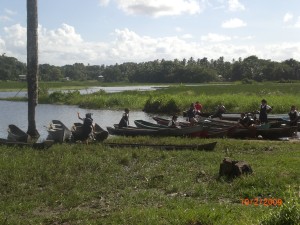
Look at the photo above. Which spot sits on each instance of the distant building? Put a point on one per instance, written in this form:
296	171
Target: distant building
22	77
66	78
100	78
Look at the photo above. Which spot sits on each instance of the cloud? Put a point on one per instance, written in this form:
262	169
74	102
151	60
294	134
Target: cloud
288	17
64	46
283	51
158	8
10	12
297	24
104	2
5	18
187	36
234	23
235	5
178	29
215	38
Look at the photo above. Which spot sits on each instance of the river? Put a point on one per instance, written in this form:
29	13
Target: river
89	90
16	113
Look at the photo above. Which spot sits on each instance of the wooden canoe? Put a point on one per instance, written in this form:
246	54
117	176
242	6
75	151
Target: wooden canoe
16	134
131	131
163	121
58	132
206	147
99	133
266	133
157	131
213	128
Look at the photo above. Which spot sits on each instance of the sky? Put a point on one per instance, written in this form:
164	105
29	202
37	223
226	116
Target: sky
106	32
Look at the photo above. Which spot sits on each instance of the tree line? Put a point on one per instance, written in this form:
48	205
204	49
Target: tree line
162	71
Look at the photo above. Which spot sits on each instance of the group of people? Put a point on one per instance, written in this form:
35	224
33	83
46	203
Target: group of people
88	127
195	111
247	120
192	115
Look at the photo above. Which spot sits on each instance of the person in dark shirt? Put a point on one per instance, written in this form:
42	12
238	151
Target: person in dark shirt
124	122
174	123
191	114
219	112
294	116
263	112
87	127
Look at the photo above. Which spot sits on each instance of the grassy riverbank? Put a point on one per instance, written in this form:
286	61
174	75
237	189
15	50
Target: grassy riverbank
176	98
236	97
94	184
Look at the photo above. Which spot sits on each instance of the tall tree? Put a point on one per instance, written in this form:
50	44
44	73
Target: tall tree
32	65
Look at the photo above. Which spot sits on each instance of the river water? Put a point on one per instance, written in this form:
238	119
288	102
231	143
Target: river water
89	90
16	113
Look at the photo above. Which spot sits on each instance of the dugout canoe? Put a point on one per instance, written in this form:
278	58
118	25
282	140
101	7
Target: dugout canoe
131	131
99	133
16	134
213	128
264	132
58	132
157	131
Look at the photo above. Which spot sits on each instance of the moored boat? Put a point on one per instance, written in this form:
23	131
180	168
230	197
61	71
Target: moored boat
16	134
156	131
265	132
99	133
58	132
131	131
213	128
195	130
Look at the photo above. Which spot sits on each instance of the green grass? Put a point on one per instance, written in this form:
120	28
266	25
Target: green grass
236	97
94	184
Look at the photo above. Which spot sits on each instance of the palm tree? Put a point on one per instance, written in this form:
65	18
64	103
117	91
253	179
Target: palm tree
32	65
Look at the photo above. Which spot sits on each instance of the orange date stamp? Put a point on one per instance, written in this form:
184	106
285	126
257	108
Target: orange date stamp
262	201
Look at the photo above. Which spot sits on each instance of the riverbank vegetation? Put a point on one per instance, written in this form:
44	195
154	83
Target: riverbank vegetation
237	97
95	184
184	70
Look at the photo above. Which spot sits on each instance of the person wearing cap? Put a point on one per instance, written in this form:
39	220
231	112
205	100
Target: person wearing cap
263	112
173	122
87	127
124	122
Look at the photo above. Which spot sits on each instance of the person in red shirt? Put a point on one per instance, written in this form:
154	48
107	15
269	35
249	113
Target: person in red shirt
198	107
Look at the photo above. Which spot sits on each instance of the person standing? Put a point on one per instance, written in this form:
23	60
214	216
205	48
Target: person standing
191	114
87	127
124	122
264	110
294	116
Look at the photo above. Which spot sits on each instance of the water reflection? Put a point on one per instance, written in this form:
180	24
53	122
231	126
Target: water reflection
16	113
